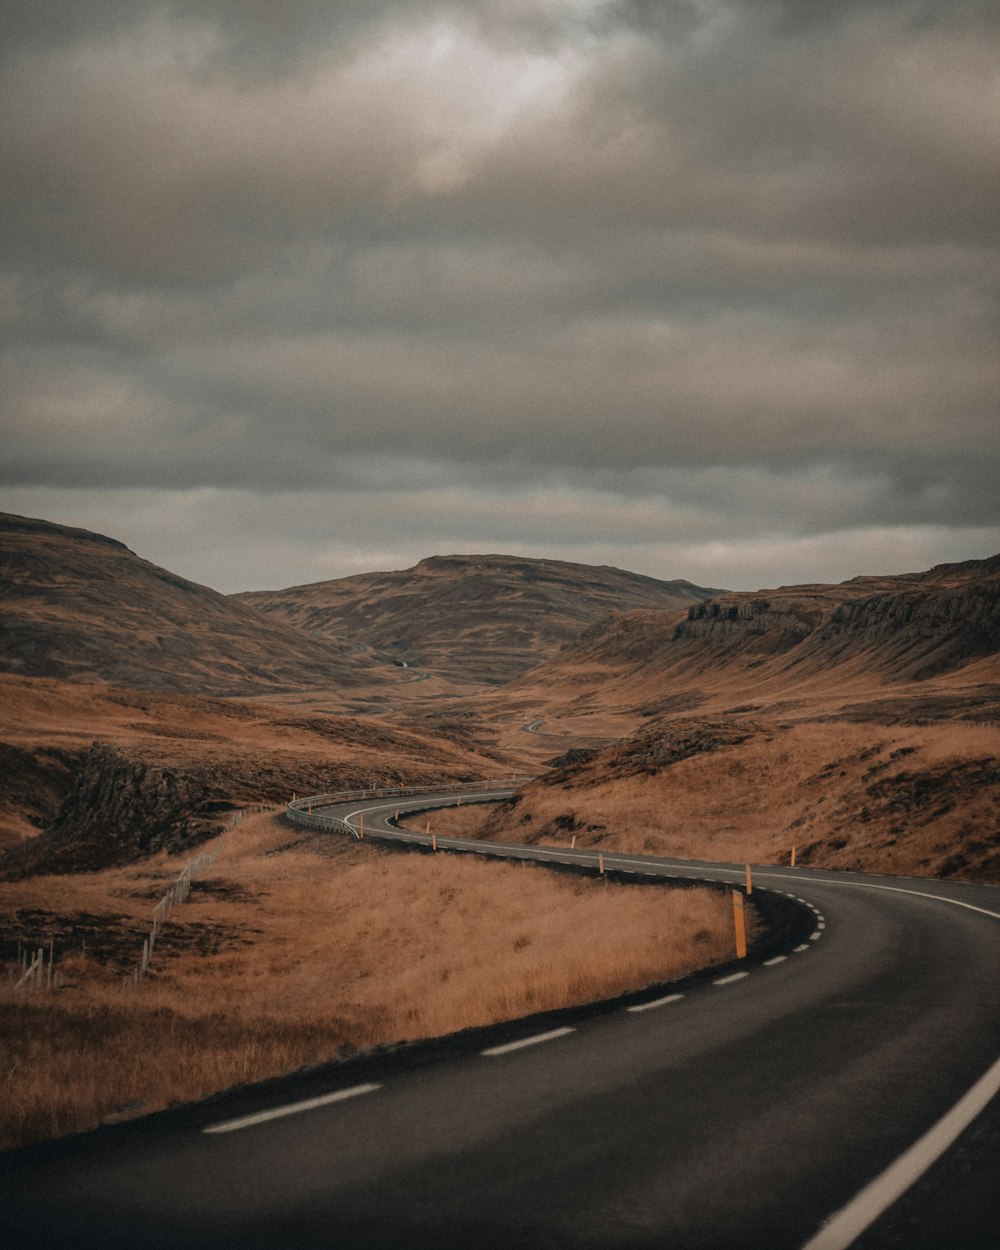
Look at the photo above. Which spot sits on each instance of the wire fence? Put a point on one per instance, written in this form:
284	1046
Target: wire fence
33	971
36	967
180	891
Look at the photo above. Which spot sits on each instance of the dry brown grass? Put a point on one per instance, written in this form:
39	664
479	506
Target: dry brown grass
244	750
457	822
300	949
899	799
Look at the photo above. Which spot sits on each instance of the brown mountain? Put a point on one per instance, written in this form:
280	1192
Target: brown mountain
857	723
483	618
905	628
83	607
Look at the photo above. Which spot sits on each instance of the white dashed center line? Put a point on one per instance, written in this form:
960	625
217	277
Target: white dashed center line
527	1041
657	1002
778	959
292	1108
733	976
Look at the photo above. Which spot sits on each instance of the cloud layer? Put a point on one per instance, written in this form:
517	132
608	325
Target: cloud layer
703	288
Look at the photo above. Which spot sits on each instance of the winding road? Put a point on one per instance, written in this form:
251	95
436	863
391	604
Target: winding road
832	1090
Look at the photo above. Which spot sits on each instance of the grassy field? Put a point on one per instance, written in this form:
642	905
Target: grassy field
300	948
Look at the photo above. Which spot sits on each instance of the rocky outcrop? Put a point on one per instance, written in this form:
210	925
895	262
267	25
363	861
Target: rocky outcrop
919	634
906	628
120	809
647	752
762	625
33	783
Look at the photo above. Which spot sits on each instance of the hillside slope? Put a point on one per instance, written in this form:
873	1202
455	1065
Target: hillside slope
857	723
92	775
867	631
82	607
483	618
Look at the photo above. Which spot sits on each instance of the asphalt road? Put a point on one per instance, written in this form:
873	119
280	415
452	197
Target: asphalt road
728	1110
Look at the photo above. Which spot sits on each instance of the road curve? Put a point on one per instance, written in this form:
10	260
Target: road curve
754	1107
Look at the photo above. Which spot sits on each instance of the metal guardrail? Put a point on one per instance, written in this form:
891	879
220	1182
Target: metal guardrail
302	811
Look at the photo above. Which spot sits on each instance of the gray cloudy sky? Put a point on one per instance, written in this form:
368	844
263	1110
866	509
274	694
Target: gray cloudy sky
700	288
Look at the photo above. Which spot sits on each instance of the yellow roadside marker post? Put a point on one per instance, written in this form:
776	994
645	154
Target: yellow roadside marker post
600	864
793	857
749	881
739	922
361	831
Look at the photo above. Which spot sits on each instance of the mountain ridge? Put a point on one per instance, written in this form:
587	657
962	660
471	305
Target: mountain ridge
484	618
897	628
82	606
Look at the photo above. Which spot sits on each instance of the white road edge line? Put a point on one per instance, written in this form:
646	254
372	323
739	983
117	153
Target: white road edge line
847	1224
657	1002
733	976
292	1108
898	889
527	1041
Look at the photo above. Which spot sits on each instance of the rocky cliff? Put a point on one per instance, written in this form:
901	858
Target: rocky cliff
120	808
906	628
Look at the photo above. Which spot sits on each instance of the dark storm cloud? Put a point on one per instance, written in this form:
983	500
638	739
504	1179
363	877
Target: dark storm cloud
728	268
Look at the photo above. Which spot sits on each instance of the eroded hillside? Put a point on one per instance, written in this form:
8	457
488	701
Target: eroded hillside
787	643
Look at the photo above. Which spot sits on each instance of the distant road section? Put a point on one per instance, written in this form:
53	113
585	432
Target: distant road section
834	1091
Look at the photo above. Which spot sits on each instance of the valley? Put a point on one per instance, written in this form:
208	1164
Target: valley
856	723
